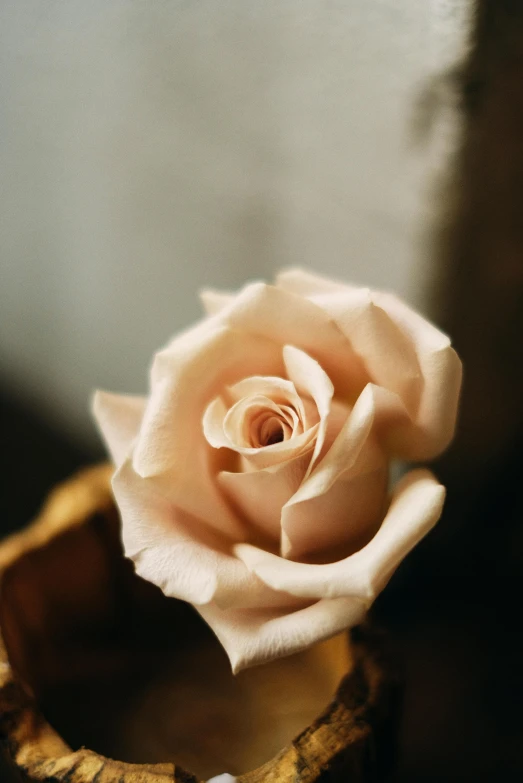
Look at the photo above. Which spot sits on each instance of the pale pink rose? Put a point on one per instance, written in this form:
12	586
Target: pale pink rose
253	481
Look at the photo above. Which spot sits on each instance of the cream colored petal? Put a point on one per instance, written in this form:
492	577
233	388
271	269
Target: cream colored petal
337	522
214	301
240	422
278	453
279	390
386	350
118	417
441	371
353	453
402	352
271	428
256	458
254	637
183	557
172	449
388	353
338	415
292	419
259	495
311	380
212	424
308	284
415	508
289	319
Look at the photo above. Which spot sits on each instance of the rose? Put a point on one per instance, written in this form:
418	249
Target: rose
253	482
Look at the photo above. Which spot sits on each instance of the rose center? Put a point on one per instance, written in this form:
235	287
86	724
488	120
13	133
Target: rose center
271	431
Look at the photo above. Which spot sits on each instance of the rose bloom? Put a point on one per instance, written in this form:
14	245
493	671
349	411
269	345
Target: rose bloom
253	482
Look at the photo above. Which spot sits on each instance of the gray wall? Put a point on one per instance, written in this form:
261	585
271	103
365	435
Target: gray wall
150	148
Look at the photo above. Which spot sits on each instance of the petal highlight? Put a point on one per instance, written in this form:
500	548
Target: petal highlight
251	638
415	508
119	417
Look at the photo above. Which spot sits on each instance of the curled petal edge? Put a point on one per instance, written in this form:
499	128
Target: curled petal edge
118	417
252	638
182	556
415	508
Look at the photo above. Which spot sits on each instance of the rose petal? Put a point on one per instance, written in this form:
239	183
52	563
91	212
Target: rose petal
353	453
185	377
339	521
213	301
386	350
415	508
442	374
310	379
240	422
279	390
271	428
402	352
253	637
308	284
293	320
292	420
258	458
260	494
119	417
212	425
182	556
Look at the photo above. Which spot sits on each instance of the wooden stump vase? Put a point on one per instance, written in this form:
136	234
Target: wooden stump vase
93	657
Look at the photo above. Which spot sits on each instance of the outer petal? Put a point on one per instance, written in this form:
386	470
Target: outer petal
214	301
402	352
441	371
252	637
321	514
182	556
415	508
293	320
119	417
308	284
185	377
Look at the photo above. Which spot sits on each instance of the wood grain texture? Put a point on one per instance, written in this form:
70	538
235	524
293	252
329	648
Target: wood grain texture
47	633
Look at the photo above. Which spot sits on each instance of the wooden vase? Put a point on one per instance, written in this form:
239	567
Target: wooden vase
91	656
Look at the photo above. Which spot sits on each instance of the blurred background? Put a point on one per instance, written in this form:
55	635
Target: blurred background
150	149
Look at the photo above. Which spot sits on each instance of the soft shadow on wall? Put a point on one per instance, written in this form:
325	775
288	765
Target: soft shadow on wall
455	607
